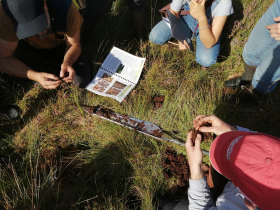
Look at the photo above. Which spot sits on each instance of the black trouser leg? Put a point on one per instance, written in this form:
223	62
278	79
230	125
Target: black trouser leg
136	4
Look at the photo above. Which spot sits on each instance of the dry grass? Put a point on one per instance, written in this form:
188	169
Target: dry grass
57	157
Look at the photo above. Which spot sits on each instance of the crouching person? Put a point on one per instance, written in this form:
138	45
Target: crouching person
206	20
250	160
40	41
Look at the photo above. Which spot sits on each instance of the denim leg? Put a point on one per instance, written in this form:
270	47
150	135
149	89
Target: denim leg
136	4
206	57
160	34
261	50
268	72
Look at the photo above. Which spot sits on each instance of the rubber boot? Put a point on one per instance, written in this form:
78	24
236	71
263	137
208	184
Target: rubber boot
138	22
244	79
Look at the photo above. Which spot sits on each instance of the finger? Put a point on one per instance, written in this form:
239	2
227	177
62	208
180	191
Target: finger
205	129
62	72
197	142
273	31
203	2
196	120
275	36
67	80
276	18
189	143
273	26
51	76
72	74
207	119
186	44
194	2
51	85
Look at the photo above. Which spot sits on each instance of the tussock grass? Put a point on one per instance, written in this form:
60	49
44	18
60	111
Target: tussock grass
57	157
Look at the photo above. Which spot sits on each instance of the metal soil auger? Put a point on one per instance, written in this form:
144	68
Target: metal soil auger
141	126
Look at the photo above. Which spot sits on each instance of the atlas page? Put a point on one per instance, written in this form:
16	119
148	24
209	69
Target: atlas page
118	75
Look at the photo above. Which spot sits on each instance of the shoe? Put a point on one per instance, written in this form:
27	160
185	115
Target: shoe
245	79
250	95
9	112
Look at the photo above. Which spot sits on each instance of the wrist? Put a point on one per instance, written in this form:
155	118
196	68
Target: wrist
196	175
202	20
196	172
65	64
32	75
233	128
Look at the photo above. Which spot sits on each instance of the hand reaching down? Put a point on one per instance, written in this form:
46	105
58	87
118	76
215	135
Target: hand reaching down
183	46
217	125
48	81
67	73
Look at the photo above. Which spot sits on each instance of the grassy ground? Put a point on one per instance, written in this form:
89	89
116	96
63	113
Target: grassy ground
57	157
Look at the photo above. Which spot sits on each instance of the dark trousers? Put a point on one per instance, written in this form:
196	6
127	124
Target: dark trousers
95	9
49	61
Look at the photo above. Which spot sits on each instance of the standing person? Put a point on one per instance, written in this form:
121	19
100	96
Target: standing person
261	55
40	41
206	24
249	159
93	10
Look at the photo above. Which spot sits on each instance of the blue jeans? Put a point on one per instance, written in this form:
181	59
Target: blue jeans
161	33
264	52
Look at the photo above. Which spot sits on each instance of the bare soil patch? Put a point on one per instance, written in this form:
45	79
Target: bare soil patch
158	101
176	165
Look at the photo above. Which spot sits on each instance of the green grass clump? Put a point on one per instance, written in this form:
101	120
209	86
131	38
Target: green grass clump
58	157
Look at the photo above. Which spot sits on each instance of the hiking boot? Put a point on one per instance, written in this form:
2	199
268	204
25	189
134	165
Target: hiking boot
9	112
244	79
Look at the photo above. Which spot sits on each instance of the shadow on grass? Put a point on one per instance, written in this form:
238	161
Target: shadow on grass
103	181
228	33
262	116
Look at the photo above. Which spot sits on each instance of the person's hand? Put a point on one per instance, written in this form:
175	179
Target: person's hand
183	46
177	14
70	72
48	81
194	154
218	126
274	29
197	9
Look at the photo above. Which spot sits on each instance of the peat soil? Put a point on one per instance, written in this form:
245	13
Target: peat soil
176	165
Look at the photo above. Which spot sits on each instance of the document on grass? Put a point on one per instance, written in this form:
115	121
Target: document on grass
180	30
118	75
